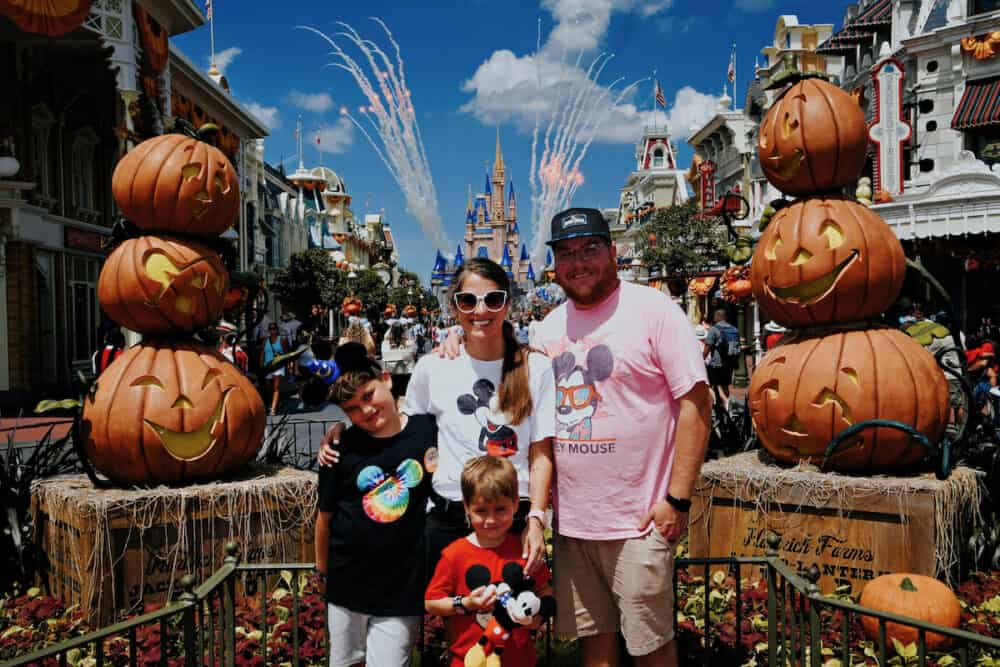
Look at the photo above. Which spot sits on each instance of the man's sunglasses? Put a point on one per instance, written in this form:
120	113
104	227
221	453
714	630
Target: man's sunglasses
467	302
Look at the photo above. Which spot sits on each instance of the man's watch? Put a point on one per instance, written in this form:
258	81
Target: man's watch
537	514
681	505
456	604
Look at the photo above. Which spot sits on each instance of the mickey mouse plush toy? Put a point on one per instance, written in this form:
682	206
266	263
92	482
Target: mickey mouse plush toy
516	605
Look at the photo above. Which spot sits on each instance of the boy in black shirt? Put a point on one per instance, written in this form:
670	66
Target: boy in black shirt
370	526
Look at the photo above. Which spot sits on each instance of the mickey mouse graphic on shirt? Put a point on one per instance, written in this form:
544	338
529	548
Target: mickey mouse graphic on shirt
387	497
576	390
496	438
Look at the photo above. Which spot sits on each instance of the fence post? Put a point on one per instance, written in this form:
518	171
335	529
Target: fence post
773	542
812	591
188	629
228	629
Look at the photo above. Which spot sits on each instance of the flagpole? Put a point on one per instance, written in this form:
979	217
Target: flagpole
734	76
211	32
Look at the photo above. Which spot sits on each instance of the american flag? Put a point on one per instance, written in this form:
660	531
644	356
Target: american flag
661	101
208	9
731	73
317	138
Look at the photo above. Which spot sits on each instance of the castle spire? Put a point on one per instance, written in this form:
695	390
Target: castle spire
468	205
498	166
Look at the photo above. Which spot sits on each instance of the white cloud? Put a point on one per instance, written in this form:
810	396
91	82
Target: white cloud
512	89
225	57
315	102
754	5
336	138
582	24
266	115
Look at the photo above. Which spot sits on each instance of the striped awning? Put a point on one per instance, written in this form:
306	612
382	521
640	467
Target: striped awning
979	106
878	13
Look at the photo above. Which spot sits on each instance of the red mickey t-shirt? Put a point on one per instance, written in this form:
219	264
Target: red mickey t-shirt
449	581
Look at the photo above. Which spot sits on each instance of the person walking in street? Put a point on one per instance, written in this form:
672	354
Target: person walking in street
723	342
272	348
399	354
632	410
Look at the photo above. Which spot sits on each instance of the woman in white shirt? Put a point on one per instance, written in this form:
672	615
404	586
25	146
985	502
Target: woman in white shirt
497	397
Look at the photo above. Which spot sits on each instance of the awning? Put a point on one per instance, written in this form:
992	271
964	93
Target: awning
877	14
979	106
702	285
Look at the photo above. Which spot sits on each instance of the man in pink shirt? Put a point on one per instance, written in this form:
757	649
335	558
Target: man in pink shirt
633	406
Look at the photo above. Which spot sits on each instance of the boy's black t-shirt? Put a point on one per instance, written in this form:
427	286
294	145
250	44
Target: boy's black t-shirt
378	495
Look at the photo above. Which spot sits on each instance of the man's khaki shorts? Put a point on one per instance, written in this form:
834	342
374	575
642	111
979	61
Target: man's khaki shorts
604	586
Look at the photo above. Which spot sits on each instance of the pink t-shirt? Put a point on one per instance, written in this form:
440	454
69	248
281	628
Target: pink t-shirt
619	369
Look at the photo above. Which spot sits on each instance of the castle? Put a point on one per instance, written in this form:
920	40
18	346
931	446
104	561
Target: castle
491	231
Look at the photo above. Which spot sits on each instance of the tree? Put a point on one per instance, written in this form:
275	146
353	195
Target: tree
683	243
368	287
310	278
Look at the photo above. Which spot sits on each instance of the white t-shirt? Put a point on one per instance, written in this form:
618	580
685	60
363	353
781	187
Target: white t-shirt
461	394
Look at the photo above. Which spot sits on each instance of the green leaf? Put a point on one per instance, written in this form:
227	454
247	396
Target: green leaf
947	661
282	613
50	404
287	577
719	578
73	656
280	594
34	592
256	635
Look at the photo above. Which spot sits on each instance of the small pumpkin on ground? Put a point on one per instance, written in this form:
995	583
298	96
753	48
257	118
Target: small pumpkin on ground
914	595
175	184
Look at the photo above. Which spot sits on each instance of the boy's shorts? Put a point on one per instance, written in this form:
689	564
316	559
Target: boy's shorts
603	586
375	640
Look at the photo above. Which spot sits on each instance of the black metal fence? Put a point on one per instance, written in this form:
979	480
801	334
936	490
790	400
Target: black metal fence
202	626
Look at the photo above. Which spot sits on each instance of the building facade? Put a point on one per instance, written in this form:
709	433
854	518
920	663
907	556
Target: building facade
77	101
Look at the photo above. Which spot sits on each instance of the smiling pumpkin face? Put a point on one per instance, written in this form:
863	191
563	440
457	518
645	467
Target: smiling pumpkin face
157	284
171	413
813	139
826	260
804	393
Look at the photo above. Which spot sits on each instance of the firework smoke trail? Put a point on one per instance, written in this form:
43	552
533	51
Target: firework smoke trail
393	131
555	176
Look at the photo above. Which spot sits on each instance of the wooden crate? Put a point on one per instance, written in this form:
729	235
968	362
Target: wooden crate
112	551
852	528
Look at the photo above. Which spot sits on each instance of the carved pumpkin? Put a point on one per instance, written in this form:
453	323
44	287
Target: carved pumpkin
171	412
157	284
826	260
735	284
813	139
176	184
351	305
805	392
913	595
410	311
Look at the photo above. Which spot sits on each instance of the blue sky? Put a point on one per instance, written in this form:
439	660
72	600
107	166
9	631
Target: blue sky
461	60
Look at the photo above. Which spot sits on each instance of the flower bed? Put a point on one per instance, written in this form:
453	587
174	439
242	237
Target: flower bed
979	597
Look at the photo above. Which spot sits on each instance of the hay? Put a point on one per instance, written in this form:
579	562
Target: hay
756	476
261	507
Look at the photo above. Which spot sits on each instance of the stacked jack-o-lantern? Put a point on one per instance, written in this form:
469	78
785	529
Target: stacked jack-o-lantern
826	267
170	410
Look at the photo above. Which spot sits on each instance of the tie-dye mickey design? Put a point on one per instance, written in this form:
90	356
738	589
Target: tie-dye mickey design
387	497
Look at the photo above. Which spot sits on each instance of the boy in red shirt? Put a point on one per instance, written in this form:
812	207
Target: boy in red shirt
490	496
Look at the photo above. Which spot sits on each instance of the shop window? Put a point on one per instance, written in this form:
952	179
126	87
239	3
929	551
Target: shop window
931	125
985	144
82	169
42	159
658	161
84	315
983	6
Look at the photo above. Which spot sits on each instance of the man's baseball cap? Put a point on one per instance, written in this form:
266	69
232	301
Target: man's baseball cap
575	222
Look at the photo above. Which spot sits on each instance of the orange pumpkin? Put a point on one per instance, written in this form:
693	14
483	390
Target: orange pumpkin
174	184
813	139
912	595
826	260
157	284
44	17
410	311
171	412
805	392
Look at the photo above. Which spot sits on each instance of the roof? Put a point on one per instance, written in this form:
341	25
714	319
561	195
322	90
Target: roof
979	106
877	14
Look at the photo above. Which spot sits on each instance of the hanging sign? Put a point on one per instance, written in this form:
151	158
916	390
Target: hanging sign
889	130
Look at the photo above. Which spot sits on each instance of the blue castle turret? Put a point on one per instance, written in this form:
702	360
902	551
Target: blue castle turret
524	252
459	258
531	273
506	262
548	257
